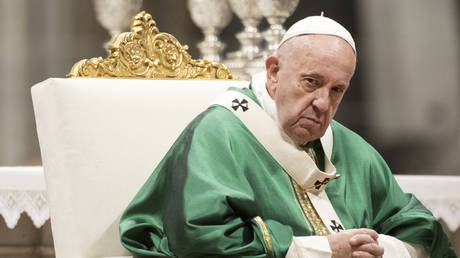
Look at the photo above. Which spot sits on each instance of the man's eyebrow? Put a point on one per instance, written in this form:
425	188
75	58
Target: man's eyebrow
315	75
321	78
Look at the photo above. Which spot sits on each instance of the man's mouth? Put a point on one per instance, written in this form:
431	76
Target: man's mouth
308	120
314	120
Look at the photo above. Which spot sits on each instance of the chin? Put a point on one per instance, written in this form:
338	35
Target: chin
302	139
301	136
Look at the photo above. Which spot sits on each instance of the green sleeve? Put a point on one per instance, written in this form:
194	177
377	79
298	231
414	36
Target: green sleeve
368	195
199	202
402	215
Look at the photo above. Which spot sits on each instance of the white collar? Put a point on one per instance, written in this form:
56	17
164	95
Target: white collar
258	83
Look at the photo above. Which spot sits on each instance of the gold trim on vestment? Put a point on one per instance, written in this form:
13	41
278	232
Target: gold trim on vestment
147	53
312	155
307	207
295	195
265	233
310	211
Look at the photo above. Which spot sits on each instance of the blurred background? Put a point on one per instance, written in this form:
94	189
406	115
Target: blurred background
403	99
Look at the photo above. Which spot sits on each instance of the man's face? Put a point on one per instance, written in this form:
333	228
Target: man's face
307	80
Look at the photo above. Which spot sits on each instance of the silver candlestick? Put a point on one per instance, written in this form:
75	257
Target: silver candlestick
250	38
276	12
211	16
114	15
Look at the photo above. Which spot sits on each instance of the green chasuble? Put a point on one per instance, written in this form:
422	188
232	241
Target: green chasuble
218	192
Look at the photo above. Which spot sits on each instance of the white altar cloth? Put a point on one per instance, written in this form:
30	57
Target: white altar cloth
440	194
22	189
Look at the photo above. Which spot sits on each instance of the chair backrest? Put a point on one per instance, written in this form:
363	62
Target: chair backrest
100	139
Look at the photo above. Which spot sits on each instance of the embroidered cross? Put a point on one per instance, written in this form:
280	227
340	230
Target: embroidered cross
318	184
336	227
243	104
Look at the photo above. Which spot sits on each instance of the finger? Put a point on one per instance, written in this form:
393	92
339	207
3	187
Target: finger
373	249
361	239
361	254
368	231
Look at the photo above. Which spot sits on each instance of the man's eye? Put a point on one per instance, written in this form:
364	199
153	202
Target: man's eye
311	81
338	89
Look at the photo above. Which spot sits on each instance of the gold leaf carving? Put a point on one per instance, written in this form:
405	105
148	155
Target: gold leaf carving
147	53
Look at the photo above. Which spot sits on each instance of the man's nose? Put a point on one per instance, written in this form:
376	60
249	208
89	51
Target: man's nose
322	99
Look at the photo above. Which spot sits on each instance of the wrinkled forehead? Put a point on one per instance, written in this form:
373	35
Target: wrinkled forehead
311	43
316	50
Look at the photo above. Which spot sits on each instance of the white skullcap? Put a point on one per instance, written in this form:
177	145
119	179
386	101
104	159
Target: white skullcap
318	25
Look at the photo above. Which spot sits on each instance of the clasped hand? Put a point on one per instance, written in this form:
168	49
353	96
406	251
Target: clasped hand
355	243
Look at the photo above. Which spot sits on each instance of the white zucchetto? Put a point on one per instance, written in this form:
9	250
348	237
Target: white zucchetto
318	25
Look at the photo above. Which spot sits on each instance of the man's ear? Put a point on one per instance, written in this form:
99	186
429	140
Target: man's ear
272	67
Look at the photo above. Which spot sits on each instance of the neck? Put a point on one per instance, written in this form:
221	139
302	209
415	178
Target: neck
258	83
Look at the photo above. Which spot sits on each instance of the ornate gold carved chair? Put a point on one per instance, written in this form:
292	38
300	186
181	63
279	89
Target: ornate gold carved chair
101	136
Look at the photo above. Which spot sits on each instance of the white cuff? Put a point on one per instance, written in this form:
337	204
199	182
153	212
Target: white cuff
394	247
309	246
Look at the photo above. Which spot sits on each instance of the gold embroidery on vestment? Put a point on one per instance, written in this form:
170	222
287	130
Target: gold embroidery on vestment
310	211
294	193
307	207
265	233
312	155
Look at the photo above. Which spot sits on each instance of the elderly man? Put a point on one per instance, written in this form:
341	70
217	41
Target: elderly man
257	173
